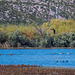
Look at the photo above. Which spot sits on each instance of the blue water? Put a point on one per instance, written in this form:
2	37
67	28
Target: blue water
42	57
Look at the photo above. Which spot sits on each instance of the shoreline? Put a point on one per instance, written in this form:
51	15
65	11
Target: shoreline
34	70
37	66
38	48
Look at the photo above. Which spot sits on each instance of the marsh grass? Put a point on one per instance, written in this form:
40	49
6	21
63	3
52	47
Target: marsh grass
33	70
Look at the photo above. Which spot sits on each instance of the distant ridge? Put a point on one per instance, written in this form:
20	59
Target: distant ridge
25	11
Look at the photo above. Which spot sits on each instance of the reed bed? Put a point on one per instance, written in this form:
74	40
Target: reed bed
33	70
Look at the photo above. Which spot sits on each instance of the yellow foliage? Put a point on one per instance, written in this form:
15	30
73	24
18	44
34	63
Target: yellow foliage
10	29
45	28
27	30
61	26
2	28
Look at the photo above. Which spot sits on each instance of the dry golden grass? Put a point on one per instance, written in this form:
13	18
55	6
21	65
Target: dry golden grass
33	70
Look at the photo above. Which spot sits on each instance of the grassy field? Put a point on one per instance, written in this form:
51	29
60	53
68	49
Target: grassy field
33	70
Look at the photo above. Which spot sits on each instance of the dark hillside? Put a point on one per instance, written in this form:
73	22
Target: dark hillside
26	11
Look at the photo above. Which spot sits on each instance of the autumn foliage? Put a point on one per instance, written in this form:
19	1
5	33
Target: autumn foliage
46	35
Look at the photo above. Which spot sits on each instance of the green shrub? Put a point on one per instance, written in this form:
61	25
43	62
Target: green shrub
56	42
46	41
3	37
72	39
61	41
64	40
43	42
71	36
18	37
72	44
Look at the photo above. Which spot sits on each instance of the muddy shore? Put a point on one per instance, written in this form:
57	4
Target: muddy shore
37	48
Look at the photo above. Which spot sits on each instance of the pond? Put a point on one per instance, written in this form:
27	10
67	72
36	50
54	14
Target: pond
42	57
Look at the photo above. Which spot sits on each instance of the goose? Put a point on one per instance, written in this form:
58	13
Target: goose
66	60
68	53
57	61
62	61
61	53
